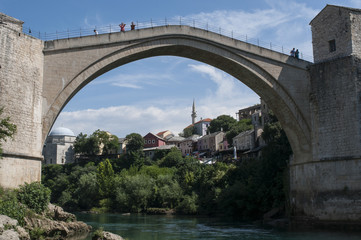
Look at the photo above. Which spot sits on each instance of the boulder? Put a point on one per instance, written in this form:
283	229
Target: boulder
9	235
13	230
57	213
108	236
5	220
57	229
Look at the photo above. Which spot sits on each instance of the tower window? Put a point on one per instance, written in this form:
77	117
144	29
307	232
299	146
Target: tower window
332	45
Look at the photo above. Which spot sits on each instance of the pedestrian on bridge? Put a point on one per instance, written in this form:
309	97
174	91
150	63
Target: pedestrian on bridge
122	27
132	26
293	52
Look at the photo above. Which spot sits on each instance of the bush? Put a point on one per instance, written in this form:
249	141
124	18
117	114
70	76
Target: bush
10	206
35	196
188	205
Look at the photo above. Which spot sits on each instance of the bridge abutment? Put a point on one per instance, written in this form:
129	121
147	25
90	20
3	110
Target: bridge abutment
21	88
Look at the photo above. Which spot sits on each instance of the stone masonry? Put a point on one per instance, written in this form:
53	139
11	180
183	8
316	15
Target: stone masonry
21	86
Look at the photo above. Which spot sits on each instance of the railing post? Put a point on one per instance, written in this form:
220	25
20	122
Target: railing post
220	31
151	23
80	32
270	45
257	42
282	49
166	22
68	33
180	21
56	34
207	26
246	38
232	34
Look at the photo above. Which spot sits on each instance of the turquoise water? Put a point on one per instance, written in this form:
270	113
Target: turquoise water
161	227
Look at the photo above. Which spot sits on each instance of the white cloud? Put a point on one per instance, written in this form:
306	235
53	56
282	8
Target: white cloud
284	23
136	81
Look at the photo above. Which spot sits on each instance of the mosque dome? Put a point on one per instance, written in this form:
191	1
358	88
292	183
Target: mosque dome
61	131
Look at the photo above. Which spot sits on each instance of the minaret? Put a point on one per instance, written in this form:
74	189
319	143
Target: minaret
194	113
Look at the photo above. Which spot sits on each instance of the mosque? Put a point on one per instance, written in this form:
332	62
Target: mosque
59	146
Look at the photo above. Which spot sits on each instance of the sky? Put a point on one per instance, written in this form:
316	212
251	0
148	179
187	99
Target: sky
156	94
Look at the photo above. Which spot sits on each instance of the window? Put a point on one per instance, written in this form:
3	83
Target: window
153	141
149	141
332	45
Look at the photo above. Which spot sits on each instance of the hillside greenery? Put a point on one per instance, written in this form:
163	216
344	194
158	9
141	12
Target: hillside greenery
132	183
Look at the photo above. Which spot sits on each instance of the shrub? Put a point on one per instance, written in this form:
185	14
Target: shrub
35	196
10	206
37	233
188	205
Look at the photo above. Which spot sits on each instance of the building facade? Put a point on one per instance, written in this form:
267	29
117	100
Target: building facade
189	145
151	140
59	146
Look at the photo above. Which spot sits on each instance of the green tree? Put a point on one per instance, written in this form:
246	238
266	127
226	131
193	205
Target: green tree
188	131
134	193
134	150
87	145
135	142
7	129
172	159
223	122
105	178
169	192
109	142
237	128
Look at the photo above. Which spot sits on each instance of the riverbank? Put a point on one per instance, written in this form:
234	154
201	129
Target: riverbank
54	223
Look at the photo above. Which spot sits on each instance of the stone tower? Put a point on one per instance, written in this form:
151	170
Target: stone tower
194	113
328	187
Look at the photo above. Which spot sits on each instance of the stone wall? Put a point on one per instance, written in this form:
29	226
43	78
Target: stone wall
21	83
332	23
327	187
335	107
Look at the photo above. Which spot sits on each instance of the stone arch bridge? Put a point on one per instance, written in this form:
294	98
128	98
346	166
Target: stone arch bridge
38	78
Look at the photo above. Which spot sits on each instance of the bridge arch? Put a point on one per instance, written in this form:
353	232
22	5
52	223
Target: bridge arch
244	66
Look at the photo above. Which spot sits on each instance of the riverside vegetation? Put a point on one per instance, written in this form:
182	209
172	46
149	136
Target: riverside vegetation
170	182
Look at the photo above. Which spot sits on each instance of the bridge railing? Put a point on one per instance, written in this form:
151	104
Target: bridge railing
79	32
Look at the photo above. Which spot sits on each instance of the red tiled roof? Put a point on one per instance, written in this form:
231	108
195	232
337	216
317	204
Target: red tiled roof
204	120
161	133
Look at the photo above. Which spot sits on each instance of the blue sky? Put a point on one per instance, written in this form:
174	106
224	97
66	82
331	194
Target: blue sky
156	94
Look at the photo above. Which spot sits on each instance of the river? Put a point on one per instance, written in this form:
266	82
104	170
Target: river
162	227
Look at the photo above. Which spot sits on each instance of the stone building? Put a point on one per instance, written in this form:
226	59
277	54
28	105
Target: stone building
58	148
210	143
335	33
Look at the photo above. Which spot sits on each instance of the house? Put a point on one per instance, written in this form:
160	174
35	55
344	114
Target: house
210	143
165	134
189	145
223	145
122	145
202	126
151	140
244	141
175	140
